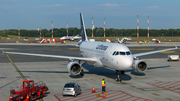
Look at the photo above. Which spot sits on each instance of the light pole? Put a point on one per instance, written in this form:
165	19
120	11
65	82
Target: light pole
172	35
162	35
40	32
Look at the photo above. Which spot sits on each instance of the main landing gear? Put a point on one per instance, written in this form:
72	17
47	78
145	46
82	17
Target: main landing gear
82	72
82	63
118	78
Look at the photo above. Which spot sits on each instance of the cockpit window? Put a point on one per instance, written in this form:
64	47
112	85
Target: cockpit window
122	53
117	53
128	53
114	53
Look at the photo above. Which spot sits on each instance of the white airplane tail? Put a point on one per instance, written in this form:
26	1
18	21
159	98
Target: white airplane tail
83	30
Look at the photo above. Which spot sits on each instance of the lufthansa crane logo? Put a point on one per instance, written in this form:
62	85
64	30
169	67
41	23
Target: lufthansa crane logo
101	47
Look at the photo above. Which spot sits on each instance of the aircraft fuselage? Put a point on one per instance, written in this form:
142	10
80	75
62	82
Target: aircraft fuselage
112	55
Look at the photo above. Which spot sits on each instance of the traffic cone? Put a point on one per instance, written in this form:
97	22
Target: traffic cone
93	90
104	96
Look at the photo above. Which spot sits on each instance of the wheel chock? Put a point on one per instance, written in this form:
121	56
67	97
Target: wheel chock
98	95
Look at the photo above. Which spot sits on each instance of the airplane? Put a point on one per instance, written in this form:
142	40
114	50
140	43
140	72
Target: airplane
72	38
101	54
156	40
123	40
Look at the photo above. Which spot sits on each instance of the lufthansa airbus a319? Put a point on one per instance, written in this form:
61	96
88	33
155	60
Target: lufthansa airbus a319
101	54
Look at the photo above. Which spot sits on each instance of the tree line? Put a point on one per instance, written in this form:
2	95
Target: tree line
98	32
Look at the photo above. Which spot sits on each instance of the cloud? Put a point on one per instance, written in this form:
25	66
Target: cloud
55	5
153	7
109	4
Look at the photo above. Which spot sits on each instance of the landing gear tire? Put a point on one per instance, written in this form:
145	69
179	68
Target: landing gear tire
122	72
41	96
82	72
80	92
29	99
118	79
75	95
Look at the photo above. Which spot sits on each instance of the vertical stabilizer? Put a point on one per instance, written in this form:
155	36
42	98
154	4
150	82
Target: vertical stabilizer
83	30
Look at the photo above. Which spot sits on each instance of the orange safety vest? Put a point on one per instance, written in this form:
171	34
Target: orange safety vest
103	84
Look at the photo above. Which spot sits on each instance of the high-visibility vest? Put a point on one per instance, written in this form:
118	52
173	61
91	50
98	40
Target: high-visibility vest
103	84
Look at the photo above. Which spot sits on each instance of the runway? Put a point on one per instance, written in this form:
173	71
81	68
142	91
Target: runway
160	83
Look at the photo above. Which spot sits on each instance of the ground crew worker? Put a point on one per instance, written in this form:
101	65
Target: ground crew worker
103	86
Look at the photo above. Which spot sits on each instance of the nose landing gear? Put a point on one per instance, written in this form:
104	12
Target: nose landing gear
118	78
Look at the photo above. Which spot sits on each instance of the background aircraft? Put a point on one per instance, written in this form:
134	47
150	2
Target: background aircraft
71	38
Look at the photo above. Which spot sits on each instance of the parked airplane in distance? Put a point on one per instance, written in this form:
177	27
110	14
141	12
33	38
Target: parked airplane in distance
102	54
71	38
123	40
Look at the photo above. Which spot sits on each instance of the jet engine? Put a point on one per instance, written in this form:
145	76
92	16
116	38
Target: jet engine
74	68
139	66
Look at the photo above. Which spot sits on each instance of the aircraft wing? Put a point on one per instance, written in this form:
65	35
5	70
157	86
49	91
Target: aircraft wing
53	56
152	52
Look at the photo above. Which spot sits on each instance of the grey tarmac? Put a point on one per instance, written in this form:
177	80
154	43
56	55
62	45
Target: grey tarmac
159	83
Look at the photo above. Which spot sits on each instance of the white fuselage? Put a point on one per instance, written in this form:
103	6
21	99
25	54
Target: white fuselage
65	37
107	54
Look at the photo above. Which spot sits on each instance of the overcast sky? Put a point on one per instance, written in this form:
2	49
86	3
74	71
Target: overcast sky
120	14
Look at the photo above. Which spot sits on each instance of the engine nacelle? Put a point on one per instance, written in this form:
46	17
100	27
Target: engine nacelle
139	66
74	68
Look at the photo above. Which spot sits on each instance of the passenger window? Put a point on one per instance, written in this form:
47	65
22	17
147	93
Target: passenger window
114	53
128	53
122	53
117	53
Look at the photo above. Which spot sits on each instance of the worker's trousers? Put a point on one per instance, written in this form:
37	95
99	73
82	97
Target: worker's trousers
103	89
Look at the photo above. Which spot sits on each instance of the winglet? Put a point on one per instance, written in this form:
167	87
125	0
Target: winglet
83	30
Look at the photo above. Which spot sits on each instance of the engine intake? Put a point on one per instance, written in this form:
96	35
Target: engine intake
74	68
139	66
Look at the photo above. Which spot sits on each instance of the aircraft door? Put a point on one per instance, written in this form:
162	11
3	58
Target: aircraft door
107	54
111	56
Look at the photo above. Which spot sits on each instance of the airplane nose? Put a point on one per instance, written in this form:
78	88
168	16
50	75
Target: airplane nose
128	62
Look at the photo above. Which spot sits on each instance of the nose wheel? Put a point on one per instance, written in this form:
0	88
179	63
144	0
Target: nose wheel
118	78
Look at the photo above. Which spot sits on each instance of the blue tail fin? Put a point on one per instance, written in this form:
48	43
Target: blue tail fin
83	30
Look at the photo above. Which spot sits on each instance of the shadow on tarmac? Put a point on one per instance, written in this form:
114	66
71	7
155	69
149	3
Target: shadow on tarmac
47	71
111	74
24	76
76	77
105	72
102	72
9	83
149	68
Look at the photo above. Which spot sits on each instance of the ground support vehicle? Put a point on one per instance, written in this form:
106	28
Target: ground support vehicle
71	89
28	91
173	57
